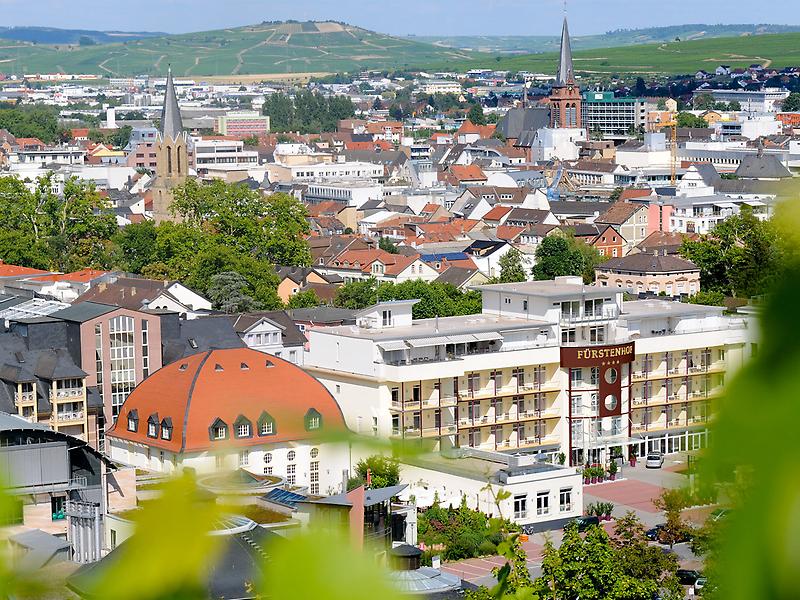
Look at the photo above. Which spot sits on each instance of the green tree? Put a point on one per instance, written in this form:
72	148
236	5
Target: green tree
511	269
704	102
686	119
383	471
306	299
135	246
357	294
792	102
735	105
387	245
18	248
475	114
556	257
228	291
285	228
742	256
672	502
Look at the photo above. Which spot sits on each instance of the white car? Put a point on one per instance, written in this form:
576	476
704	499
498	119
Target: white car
699	585
655	460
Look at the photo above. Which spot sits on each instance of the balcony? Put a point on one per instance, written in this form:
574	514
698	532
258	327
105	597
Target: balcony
568	319
25	398
69	417
445	429
66	393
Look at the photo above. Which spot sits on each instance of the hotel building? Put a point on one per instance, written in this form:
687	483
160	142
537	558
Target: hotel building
547	367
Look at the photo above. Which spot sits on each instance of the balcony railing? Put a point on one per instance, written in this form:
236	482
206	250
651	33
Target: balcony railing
590	317
25	398
76	415
66	393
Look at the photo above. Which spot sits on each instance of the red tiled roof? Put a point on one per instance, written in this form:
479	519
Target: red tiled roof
16	270
189	392
509	232
635	193
467	173
363	259
82	276
497	213
484	131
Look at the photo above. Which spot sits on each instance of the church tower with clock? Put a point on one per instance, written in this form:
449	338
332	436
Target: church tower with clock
565	98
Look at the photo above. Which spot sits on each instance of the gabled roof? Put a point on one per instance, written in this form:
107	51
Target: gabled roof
762	166
497	213
619	212
648	263
82	276
17	271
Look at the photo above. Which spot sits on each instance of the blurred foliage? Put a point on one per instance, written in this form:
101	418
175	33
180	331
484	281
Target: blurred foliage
383	472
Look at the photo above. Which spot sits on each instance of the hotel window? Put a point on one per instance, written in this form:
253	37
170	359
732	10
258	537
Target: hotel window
152	426
616	425
565	500
593	403
145	350
568	336
576	405
166	430
576	377
243	430
291	471
386	318
576	430
521	506
594	376
244	458
313	420
291	455
267	470
542	503
395	424
133	421
570	310
219	431
597	335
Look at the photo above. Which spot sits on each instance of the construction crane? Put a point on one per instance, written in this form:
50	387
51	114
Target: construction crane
673	164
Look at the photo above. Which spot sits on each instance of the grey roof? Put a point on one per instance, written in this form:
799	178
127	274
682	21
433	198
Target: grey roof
547	289
171	126
565	73
456	276
762	166
648	263
83	311
184	337
42	548
10	422
371	497
570	207
323	314
518	120
290	334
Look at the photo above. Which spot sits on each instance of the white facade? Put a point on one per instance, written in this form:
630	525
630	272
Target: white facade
267	336
558	143
495	381
291	461
352	193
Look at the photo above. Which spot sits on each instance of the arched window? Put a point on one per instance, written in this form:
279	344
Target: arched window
178	156
169	160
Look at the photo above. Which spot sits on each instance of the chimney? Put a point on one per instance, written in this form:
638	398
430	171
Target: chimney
133	290
103	285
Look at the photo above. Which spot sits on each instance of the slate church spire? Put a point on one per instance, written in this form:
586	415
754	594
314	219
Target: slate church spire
172	154
565	98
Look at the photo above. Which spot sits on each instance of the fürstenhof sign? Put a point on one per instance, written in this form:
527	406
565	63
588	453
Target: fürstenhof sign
597	356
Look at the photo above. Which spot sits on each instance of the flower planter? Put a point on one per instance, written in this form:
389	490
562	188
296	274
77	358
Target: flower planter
613	476
594	479
586	481
606	517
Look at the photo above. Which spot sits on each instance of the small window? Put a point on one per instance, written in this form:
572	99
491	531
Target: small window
218	367
166	433
290	456
244	367
313	420
244	458
220	433
243	430
269	364
314	452
268	457
266	424
183	367
151	429
193	343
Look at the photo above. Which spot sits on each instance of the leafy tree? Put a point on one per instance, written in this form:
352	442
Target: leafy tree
228	293
616	194
18	248
735	105
704	102
285	228
306	299
475	114
307	111
712	298
792	102
384	472
511	269
687	119
37	121
387	245
672	502
742	256
135	246
556	257
357	294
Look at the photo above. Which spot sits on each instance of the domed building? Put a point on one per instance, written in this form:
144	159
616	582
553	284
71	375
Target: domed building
229	409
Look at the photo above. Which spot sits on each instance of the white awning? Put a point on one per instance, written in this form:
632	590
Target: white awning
488	336
428	341
755	203
460	339
725	204
391	346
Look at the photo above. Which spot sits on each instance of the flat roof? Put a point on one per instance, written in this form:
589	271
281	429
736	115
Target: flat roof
548	289
443	326
666	308
473	467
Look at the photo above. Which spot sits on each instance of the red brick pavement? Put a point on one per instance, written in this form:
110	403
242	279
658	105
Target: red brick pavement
473	569
628	492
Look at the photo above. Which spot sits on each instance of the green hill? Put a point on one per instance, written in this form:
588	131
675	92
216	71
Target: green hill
330	47
534	44
266	48
779	50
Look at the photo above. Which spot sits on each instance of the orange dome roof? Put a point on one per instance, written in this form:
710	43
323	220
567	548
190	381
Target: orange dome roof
229	387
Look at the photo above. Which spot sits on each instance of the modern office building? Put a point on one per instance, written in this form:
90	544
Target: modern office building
242	124
548	366
604	113
766	100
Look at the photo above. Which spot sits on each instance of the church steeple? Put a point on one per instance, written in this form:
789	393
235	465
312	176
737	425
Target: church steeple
565	73
171	125
565	98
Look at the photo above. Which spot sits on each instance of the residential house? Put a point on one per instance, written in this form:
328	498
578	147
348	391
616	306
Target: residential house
650	273
148	294
629	218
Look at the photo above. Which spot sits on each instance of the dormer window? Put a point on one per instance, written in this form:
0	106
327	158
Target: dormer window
266	424
166	429
152	426
242	427
133	420
313	420
218	430
218	368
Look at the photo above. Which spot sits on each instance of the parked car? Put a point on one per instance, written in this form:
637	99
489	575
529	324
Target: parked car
699	584
688	576
584	523
652	534
655	460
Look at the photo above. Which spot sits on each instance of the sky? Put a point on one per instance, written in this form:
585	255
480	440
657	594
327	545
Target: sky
397	17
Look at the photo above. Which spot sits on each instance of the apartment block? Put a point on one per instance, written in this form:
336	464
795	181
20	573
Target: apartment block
547	367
